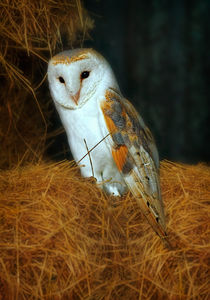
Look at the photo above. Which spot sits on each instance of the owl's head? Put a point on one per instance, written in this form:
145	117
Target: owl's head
77	75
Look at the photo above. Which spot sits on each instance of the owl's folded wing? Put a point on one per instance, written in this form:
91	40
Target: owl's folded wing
136	157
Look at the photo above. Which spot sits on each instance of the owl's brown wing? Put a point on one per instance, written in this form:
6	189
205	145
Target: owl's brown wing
136	157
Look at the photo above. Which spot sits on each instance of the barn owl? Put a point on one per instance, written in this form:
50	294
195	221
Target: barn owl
122	154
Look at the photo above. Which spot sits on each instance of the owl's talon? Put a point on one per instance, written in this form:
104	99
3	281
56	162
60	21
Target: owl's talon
91	179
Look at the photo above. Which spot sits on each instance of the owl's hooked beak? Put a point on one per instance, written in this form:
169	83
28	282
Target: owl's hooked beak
76	97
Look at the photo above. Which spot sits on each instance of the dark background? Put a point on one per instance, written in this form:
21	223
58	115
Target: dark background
159	51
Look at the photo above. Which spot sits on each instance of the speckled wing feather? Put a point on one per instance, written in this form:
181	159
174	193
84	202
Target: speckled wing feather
136	157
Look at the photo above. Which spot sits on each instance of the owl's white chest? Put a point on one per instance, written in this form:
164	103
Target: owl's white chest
85	128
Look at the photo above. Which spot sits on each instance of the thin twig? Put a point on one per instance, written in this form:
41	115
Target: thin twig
93	148
91	164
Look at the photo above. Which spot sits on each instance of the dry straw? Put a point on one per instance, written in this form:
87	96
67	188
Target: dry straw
61	237
37	28
30	33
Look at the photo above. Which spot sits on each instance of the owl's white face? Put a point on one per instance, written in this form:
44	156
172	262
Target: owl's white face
75	76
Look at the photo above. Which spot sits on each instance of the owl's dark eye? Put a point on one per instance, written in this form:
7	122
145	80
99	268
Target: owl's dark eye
61	79
84	74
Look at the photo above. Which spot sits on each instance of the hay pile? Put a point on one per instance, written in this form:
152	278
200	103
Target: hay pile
62	238
30	33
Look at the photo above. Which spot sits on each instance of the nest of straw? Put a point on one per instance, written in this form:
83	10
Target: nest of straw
31	32
61	237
